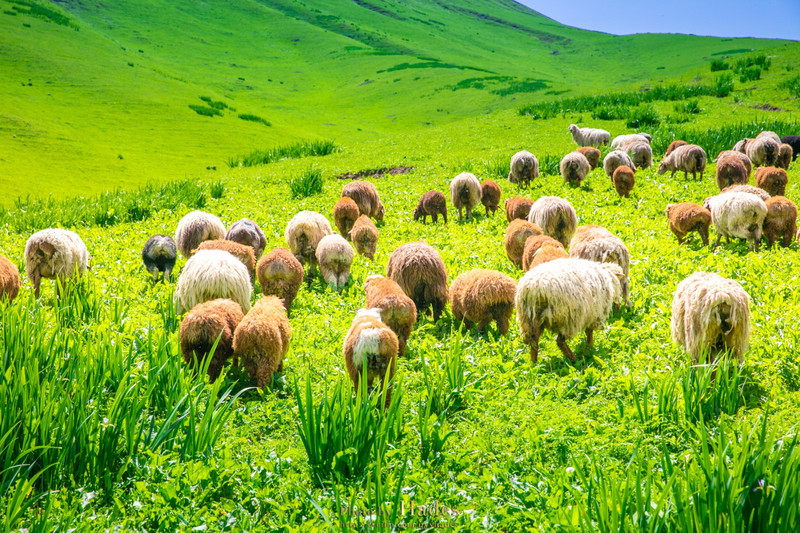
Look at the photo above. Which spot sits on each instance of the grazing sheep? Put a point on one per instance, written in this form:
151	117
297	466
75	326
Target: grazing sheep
763	151
372	344
769	135
771	179
615	159
195	228
566	296
345	213
621	140
541	249
624	180
365	237
556	217
688	158
785	156
591	154
481	296
518	207
517	233
596	243
203	325
280	274
465	193
730	171
55	254
589	136
159	255
710	316
262	339
397	310
574	167
303	233
211	274
794	142
741	146
10	282
737	214
432	203
742	157
674	144
245	231
640	152
687	217
335	255
490	195
242	252
524	168
420	272
781	222
365	195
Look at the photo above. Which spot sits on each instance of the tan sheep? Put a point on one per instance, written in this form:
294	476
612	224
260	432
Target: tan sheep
573	168
420	272
432	203
397	310
335	255
517	233
365	195
524	168
57	254
556	217
345	213
196	227
640	152
518	207
481	296
687	217
673	145
465	193
781	222
303	233
596	243
242	252
771	179
246	231
541	249
785	156
365	237
687	158
280	274
203	325
763	151
761	193
730	171
490	196
623	180
10	282
741	156
591	154
262	339
372	345
615	159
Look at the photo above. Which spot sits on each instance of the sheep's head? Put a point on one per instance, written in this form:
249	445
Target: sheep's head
663	167
572	128
371	279
381	212
668	209
419	212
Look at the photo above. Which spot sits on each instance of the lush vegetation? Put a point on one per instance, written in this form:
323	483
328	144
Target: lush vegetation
292	151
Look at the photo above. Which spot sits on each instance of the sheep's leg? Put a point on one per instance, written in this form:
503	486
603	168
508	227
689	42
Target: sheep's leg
460	217
402	341
167	275
36	283
437	310
502	324
484	323
434	218
280	366
532	338
703	235
589	342
263	377
469	211
716	243
561	342
673	174
787	238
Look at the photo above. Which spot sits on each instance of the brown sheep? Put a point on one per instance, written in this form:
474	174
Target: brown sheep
591	154
624	180
10	282
516	234
432	203
365	237
248	232
518	207
242	252
262	339
345	213
373	344
730	171
365	195
687	217
781	222
673	145
280	274
785	156
397	310
481	296
536	244
741	156
202	326
490	195
771	179
420	272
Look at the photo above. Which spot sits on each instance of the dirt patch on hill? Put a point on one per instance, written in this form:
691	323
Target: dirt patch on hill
375	173
767	107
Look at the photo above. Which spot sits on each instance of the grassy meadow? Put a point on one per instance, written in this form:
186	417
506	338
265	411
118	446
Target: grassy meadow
103	427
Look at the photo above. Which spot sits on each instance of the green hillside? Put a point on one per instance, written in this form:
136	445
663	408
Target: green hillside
98	95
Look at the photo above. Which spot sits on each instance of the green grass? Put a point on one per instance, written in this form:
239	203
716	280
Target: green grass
292	151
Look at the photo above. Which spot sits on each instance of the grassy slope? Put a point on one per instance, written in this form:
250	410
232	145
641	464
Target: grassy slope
122	84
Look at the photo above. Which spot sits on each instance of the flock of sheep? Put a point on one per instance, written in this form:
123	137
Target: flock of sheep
565	292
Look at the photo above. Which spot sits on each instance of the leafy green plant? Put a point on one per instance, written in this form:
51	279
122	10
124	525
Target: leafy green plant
217	189
254	118
307	184
690	107
643	117
792	85
291	151
205	111
719	64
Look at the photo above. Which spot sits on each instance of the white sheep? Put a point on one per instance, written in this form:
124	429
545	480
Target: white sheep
556	217
687	158
621	140
211	274
196	227
566	296
55	254
524	167
303	234
465	193
589	136
763	151
335	255
574	167
710	316
617	158
737	214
